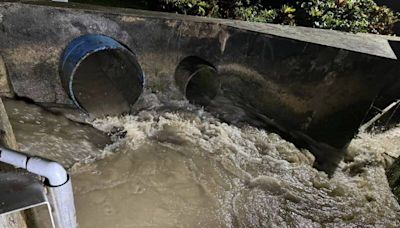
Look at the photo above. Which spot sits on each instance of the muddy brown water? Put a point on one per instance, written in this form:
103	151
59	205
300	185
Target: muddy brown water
181	167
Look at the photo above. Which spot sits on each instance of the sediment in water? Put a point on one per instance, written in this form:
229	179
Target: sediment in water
177	166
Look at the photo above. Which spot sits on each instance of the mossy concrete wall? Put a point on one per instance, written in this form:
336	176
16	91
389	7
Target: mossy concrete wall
314	86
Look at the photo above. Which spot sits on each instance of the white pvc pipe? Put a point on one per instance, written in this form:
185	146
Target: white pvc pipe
60	188
62	200
13	158
52	171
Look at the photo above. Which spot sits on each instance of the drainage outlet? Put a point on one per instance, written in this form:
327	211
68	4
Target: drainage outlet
101	76
198	80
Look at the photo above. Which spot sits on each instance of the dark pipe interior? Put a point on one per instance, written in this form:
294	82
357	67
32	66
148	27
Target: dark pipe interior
202	87
107	82
198	80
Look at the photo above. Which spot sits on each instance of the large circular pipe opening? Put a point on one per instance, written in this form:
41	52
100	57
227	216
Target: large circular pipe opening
198	80
101	76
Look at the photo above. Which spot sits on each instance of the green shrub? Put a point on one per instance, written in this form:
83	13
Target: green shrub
192	7
351	16
344	15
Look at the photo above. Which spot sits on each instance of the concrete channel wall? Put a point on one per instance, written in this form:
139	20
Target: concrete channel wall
313	86
7	139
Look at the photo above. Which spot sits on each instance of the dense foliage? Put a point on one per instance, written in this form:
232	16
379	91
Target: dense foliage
344	15
355	16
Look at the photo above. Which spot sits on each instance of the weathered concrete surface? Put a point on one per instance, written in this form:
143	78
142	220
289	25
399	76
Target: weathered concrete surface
7	138
15	220
312	85
5	90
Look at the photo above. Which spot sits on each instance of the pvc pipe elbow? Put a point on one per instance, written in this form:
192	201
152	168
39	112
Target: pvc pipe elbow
52	171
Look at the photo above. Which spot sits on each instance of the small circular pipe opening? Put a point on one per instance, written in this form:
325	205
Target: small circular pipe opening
198	80
101	75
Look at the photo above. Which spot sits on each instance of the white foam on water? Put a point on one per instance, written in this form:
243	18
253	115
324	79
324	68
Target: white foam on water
187	169
181	167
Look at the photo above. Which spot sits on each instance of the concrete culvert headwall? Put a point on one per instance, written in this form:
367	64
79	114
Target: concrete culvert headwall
101	75
198	80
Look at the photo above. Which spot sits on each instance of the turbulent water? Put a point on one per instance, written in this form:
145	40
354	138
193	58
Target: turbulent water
181	167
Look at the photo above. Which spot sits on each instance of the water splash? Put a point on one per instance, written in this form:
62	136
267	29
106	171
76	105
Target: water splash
192	170
174	165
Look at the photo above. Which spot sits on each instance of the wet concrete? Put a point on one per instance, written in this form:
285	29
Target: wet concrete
52	136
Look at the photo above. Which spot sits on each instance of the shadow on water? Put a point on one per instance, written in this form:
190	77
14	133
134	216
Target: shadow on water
232	109
242	100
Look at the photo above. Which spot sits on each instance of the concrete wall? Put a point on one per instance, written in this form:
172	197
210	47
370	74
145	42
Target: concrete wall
312	85
7	139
